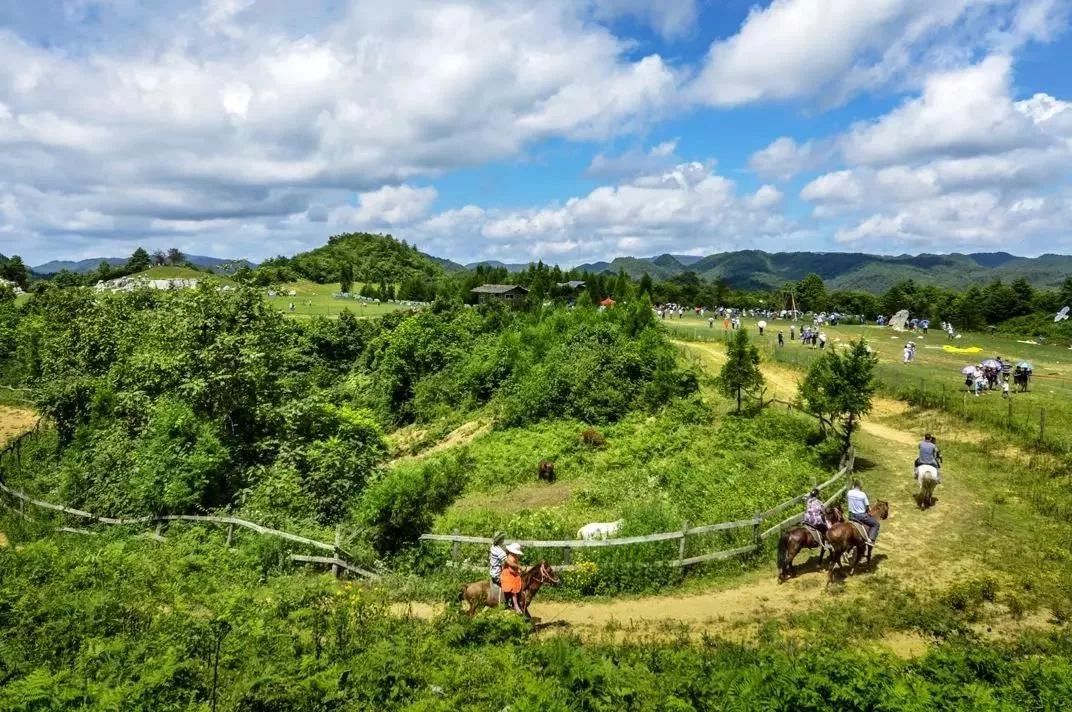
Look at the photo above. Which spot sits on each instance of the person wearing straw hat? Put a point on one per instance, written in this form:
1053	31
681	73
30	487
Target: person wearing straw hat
511	577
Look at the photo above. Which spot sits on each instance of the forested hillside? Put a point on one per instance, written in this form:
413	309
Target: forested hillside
758	270
371	258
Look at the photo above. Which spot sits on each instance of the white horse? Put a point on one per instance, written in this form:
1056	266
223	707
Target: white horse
927	475
599	530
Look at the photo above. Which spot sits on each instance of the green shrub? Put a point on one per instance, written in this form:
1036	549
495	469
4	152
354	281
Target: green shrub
401	505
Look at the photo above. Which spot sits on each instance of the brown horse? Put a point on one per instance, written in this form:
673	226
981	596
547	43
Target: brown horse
478	594
845	536
794	540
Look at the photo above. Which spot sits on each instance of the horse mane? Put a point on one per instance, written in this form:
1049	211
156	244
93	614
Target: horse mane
527	575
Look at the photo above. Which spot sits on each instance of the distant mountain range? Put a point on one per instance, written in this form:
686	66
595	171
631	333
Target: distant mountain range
375	256
755	269
215	264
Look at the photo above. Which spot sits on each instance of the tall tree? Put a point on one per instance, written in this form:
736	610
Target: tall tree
159	257
139	261
811	293
740	374
13	270
175	257
346	277
839	386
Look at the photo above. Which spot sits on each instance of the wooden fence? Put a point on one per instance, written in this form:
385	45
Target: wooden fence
567	546
339	559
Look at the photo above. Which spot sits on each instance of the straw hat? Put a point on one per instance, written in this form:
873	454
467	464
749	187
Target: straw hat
514	548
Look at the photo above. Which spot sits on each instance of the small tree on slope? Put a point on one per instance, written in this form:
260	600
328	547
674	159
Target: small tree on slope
839	386
740	374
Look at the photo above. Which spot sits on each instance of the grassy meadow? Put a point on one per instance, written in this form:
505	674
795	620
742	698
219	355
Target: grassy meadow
312	300
933	379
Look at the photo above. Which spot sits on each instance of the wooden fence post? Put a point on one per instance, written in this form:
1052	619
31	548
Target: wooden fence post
455	548
1042	424
567	556
681	544
230	534
338	542
756	535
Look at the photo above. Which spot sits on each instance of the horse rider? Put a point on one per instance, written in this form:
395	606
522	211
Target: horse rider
496	560
815	515
928	455
858	504
511	577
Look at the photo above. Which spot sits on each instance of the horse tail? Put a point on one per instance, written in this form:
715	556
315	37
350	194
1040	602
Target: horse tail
783	550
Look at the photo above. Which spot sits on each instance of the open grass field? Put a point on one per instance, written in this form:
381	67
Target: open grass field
934	377
312	299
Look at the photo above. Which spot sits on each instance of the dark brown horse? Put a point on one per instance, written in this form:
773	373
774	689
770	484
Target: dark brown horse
478	594
794	540
845	536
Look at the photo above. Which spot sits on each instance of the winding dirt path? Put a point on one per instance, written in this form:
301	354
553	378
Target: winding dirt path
910	542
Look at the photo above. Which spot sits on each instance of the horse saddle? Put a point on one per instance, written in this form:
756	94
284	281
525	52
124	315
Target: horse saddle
862	531
814	534
494	594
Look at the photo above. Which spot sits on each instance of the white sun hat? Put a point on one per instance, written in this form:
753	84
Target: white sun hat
514	548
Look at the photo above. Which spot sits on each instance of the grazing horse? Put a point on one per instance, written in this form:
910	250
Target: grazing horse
546	471
846	536
478	594
928	479
797	538
599	530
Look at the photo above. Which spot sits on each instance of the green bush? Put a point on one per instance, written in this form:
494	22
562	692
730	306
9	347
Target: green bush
401	505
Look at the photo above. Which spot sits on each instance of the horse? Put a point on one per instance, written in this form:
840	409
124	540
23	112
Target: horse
928	479
546	471
797	538
478	594
845	536
599	530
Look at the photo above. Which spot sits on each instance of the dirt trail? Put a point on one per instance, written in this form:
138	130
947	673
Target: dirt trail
909	545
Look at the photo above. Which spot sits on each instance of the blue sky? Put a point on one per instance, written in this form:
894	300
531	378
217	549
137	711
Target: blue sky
555	129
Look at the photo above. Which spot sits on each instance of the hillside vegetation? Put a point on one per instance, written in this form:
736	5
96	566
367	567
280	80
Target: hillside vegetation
372	258
185	401
758	270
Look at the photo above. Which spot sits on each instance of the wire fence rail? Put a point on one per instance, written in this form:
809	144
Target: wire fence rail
755	524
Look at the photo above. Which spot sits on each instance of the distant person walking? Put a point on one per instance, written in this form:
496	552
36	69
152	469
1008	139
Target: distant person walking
792	332
781	340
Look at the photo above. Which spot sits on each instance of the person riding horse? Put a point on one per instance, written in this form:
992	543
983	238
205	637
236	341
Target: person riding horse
511	578
496	561
815	515
858	504
928	455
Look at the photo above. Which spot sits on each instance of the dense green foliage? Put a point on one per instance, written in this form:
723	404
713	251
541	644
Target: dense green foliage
179	402
133	625
357	257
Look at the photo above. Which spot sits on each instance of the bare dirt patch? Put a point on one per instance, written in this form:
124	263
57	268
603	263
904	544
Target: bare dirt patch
14	422
462	435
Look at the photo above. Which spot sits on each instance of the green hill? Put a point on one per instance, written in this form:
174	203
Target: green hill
756	269
374	258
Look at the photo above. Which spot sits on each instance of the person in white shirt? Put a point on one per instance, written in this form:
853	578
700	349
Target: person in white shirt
858	505
496	559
